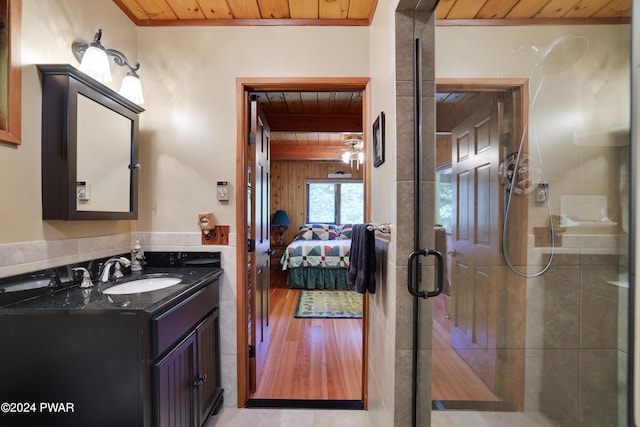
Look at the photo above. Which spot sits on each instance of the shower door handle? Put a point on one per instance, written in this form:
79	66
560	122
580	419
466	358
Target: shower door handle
414	272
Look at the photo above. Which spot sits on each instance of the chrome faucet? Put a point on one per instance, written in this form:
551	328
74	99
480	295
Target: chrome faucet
106	268
86	277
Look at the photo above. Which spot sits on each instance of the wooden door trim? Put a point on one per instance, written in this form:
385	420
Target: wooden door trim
511	391
243	86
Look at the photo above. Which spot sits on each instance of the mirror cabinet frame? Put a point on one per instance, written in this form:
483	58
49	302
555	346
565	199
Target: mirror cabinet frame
61	85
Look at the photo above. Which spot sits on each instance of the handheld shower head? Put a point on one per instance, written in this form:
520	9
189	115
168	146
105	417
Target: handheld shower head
562	53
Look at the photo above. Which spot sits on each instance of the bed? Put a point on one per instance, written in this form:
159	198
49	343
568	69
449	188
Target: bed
318	257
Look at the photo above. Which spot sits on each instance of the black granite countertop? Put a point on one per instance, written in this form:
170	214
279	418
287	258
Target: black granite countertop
72	299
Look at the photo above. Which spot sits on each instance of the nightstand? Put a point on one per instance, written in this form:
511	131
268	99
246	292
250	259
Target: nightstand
278	250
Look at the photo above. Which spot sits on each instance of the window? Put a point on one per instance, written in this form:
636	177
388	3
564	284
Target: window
444	198
335	202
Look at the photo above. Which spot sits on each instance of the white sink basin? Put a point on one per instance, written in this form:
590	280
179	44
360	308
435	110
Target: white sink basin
142	285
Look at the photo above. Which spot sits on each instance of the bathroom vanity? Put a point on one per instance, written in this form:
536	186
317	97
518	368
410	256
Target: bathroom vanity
80	357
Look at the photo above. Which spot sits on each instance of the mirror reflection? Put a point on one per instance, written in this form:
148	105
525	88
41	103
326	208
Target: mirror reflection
103	158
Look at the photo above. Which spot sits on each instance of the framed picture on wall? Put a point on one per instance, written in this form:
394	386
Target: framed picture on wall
11	74
378	140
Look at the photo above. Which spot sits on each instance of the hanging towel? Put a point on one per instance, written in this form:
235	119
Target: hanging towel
362	260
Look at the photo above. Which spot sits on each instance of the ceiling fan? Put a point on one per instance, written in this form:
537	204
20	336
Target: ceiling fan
354	152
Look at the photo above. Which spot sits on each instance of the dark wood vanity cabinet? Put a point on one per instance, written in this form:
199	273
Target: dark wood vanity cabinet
115	366
210	390
187	376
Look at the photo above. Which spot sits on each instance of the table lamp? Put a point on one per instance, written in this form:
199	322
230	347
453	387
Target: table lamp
280	220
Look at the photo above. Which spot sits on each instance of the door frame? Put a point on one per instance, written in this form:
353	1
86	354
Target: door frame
512	332
291	84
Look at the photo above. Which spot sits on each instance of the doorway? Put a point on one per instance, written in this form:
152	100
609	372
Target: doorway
475	122
244	88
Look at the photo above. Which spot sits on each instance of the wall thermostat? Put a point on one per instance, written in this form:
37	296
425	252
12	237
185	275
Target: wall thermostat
223	190
82	191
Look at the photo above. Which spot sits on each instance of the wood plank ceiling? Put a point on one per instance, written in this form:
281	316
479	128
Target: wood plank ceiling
360	12
311	125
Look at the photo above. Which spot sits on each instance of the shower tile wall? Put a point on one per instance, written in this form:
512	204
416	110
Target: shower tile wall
395	391
575	313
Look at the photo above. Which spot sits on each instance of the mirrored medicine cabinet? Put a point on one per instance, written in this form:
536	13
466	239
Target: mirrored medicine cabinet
89	148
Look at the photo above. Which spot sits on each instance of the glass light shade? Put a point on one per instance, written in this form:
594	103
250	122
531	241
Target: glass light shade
346	157
95	63
132	89
361	157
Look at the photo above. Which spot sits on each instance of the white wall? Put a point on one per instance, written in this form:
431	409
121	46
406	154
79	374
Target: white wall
48	29
188	131
28	243
382	370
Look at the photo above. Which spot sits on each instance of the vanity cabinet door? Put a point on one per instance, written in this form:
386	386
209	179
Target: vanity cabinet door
175	385
209	393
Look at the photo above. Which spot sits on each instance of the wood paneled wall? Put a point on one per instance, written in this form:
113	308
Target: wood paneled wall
443	149
288	188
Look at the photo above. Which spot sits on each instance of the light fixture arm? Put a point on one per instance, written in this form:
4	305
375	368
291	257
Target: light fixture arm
121	60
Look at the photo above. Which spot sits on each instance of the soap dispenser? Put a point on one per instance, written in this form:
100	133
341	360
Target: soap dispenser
137	256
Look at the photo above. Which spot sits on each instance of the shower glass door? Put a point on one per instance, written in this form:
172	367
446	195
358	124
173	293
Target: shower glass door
533	163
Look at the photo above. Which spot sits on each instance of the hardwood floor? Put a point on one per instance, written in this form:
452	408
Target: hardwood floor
452	378
321	359
311	359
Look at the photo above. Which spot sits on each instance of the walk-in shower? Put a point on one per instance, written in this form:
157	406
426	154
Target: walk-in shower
541	225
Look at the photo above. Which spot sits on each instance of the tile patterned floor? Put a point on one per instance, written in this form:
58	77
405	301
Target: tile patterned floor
234	417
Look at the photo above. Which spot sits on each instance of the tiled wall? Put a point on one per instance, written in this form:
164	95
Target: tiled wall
23	257
391	308
579	340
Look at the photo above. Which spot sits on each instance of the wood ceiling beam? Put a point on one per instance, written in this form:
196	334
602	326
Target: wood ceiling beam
314	123
281	152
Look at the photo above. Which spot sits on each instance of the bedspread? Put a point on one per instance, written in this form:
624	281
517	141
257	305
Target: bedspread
317	253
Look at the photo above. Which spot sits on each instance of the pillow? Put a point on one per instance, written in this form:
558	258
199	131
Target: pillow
344	231
317	232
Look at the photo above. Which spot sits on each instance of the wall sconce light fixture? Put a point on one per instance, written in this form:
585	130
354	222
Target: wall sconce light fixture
94	61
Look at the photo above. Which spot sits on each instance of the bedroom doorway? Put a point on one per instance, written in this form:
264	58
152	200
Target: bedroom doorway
296	92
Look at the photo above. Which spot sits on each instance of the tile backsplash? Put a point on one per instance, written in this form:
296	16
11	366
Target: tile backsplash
23	257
